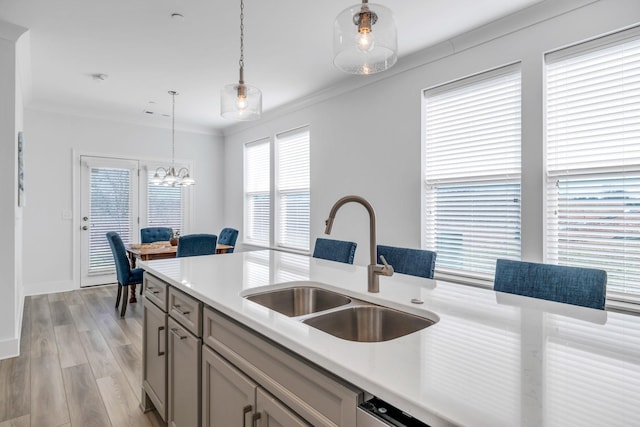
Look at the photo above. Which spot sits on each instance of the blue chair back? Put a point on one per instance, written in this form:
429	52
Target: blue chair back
126	276
416	262
571	285
335	250
228	236
155	234
196	244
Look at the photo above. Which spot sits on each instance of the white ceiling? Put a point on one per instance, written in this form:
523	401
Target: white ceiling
145	53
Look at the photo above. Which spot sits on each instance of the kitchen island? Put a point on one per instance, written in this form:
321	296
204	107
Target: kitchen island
491	359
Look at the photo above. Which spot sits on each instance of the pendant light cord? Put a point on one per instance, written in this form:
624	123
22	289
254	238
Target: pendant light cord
241	62
173	129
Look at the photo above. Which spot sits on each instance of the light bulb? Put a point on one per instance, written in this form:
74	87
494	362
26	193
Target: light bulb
365	41
241	103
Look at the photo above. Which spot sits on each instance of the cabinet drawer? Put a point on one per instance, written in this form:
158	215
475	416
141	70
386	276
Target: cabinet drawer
317	395
155	290
186	310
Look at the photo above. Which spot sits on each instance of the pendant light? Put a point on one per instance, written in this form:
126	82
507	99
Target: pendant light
241	101
365	39
169	177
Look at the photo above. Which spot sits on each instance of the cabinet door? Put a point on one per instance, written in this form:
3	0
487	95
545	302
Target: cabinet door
154	343
271	413
184	376
228	396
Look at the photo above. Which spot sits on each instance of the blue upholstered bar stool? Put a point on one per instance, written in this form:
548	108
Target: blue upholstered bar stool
228	236
335	250
416	262
196	244
571	285
125	274
155	234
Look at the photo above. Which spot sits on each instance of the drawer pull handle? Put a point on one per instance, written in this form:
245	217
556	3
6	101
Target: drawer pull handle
245	411
152	290
177	308
255	418
160	329
174	331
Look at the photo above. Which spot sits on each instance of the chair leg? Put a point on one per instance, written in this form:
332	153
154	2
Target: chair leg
119	295
124	301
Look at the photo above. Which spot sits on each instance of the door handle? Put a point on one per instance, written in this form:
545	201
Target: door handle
160	329
255	418
85	228
245	411
84	218
174	331
177	308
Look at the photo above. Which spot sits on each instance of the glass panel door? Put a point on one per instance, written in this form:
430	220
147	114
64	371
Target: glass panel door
109	202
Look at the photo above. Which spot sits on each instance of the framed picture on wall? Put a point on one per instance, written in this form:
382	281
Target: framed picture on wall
20	169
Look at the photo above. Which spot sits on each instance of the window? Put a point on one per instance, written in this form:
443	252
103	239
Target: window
292	189
593	158
165	205
281	203
257	196
472	171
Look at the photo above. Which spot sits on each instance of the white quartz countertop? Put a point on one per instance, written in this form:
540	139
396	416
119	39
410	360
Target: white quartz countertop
491	360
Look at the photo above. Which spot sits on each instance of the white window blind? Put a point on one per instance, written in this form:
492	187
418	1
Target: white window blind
472	171
593	158
257	192
110	210
293	189
165	205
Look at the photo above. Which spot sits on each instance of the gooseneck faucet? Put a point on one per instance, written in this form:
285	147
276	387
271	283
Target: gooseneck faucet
374	270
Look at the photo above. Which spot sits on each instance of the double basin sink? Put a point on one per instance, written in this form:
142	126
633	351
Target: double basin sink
340	315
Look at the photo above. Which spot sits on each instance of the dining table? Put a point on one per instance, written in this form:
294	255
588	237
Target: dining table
157	250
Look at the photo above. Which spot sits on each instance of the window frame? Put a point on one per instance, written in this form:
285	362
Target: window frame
581	172
273	192
459	275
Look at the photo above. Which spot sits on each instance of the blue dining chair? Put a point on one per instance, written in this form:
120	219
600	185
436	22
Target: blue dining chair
196	244
335	250
126	275
416	262
228	236
155	234
570	285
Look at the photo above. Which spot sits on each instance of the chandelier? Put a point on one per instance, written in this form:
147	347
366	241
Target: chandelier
169	177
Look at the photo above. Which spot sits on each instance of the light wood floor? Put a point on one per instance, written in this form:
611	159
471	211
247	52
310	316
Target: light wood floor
79	365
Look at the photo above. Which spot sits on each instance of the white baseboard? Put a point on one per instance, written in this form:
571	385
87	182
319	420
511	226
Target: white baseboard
9	348
48	287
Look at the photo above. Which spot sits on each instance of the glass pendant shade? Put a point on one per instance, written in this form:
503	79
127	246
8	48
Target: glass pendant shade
240	102
365	40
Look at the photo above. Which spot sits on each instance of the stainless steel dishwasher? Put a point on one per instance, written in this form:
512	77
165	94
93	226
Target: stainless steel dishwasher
376	413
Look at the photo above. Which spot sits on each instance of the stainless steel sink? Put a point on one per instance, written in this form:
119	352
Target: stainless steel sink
299	301
368	323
